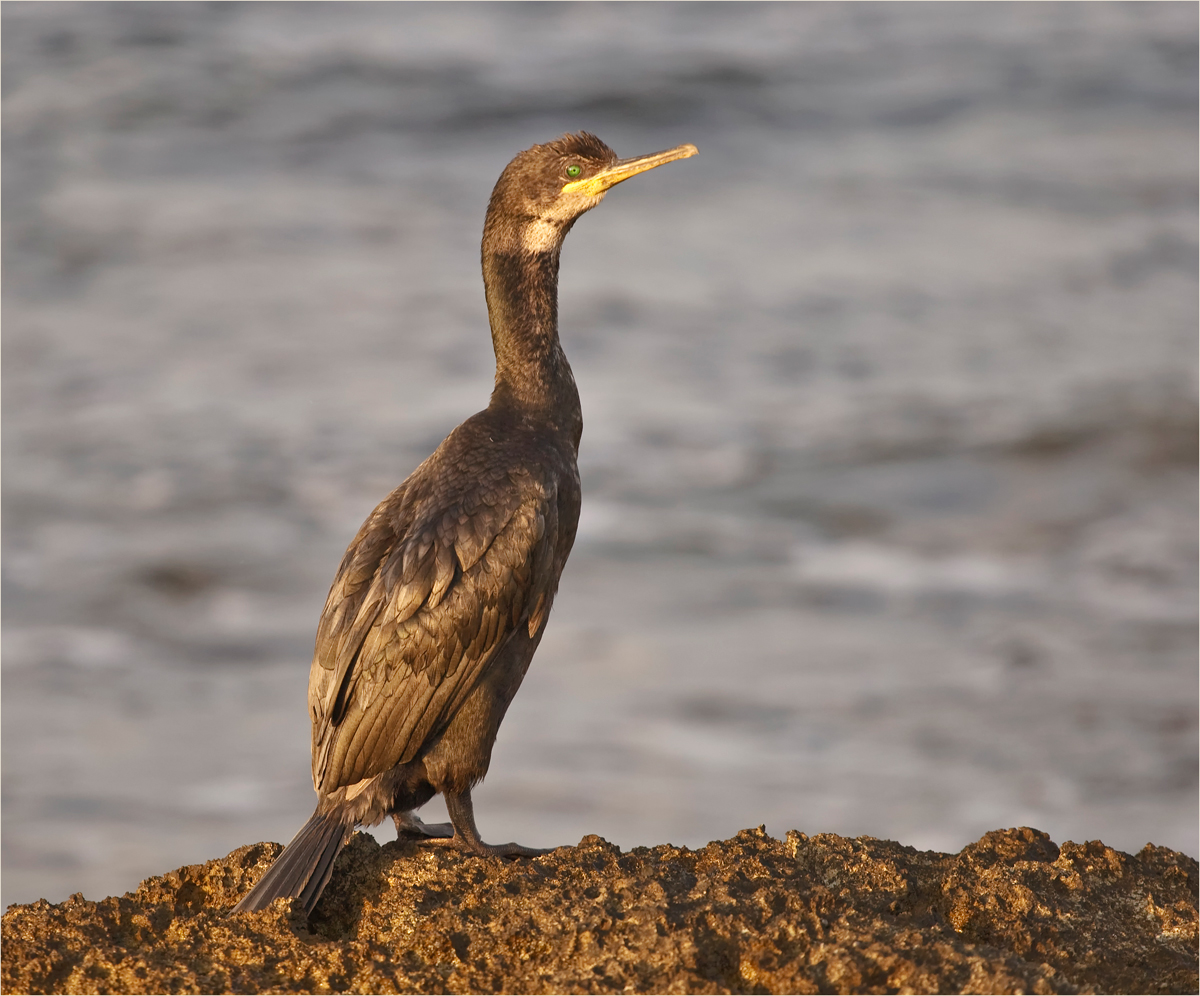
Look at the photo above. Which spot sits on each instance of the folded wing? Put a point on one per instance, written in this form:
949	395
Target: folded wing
423	601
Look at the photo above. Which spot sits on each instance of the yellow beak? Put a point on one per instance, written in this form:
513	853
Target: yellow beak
623	169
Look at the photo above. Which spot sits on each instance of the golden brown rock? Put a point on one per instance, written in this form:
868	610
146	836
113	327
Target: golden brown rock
1011	913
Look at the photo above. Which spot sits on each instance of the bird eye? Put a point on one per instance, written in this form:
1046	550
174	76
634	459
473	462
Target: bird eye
573	170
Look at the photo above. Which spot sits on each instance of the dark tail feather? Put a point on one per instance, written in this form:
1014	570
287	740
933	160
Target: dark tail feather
304	866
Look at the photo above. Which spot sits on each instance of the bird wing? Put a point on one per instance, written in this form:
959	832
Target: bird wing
421	604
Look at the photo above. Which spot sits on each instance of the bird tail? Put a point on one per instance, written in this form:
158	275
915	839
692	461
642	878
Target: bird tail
304	866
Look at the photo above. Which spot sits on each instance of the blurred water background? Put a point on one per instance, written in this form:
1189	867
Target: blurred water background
889	462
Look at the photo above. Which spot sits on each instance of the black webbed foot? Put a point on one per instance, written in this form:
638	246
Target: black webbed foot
478	847
465	836
409	826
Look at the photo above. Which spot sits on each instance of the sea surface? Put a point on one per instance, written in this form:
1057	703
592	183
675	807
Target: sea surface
889	455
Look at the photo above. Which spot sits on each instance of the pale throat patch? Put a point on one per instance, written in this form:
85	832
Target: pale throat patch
545	233
541	236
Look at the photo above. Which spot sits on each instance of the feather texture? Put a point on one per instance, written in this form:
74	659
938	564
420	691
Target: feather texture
438	579
441	599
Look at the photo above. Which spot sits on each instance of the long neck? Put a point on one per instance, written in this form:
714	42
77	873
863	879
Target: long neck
520	278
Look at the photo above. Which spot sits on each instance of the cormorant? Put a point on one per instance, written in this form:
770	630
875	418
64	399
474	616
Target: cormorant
441	599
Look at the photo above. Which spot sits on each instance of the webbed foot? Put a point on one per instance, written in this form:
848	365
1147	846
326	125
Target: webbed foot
409	826
483	850
466	838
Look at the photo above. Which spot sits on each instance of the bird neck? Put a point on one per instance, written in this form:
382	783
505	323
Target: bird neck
532	372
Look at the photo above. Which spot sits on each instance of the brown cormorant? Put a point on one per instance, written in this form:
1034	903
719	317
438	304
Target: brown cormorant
441	599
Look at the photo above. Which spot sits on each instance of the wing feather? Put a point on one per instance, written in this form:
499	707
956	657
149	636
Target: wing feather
416	614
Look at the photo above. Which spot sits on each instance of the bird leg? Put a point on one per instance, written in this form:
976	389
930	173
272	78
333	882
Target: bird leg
466	837
409	826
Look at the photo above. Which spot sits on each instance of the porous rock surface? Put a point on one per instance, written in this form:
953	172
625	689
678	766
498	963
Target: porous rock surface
1011	913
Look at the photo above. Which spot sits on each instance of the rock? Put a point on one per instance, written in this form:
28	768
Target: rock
1012	913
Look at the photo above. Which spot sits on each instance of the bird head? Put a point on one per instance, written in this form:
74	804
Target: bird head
545	188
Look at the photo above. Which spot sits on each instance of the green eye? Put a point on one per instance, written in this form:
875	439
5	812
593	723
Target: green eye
573	171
